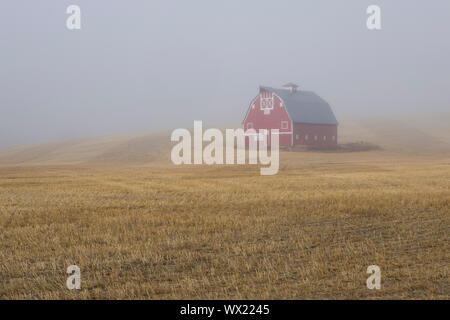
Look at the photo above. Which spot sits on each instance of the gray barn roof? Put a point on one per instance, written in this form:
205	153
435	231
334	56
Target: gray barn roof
305	106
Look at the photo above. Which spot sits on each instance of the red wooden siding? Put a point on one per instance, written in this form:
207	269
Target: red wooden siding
306	134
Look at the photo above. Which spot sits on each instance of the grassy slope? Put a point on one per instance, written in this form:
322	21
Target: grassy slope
160	231
394	136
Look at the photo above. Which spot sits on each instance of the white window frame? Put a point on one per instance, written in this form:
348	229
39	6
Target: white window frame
284	124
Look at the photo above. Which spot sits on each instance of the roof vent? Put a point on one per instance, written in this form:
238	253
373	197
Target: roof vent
291	87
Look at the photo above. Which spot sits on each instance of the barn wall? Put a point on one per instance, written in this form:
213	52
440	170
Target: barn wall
304	134
272	120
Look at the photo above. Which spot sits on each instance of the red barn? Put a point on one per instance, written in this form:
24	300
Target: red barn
302	117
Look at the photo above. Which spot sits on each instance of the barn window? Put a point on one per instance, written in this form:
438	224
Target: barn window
266	101
249	125
324	138
284	124
315	137
306	137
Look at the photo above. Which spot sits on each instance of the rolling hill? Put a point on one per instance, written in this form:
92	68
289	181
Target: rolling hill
393	136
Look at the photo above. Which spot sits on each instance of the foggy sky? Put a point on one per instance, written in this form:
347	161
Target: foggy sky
141	66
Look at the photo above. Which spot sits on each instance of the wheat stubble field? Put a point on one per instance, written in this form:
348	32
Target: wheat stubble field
158	231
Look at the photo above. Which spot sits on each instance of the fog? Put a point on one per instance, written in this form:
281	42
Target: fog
142	66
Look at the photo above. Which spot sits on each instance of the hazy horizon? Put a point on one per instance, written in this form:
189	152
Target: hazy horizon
147	66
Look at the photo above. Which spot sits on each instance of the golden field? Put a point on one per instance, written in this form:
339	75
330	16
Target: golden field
161	231
140	227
